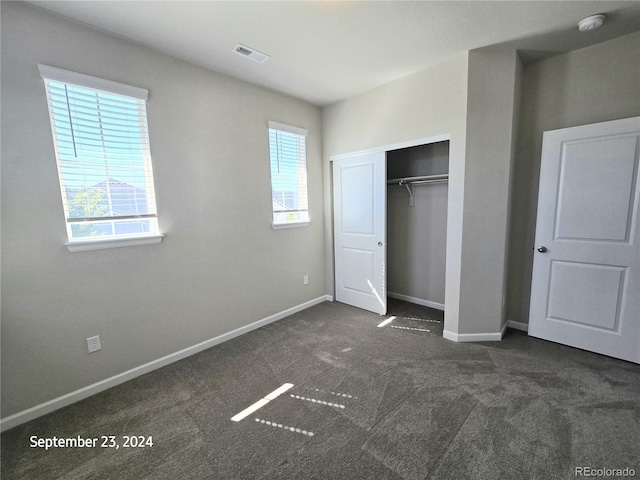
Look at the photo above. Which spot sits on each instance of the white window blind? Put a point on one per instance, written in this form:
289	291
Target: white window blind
102	149
288	154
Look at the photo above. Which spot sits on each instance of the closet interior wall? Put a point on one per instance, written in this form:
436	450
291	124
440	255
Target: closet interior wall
417	235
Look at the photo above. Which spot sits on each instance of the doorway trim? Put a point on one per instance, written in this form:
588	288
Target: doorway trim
393	146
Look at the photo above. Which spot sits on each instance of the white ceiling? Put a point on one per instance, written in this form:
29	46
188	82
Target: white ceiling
325	51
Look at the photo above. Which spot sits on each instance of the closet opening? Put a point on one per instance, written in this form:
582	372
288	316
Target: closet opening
417	192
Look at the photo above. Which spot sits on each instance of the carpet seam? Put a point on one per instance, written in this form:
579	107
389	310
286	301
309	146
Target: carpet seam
446	449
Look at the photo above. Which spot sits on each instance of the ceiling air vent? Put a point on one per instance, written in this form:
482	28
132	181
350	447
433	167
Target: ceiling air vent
251	53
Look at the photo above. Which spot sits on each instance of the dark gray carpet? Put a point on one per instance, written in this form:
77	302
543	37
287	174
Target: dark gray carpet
416	406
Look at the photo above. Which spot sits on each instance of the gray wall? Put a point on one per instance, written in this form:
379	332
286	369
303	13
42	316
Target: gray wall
595	84
417	236
492	101
221	265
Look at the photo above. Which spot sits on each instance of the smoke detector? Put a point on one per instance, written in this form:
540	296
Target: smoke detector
590	23
254	55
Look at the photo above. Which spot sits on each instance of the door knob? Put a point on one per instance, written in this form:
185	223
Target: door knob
379	244
542	249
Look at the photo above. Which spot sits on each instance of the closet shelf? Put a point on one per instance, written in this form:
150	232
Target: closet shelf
409	182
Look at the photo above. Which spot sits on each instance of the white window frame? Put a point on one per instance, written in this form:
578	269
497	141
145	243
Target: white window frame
52	74
277	223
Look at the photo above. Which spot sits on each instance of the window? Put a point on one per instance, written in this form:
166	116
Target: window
101	141
288	153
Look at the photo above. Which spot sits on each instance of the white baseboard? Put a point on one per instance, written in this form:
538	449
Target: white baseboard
518	325
485	337
474	337
60	402
417	301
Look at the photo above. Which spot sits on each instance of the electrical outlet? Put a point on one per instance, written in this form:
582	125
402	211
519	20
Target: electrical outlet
305	280
93	344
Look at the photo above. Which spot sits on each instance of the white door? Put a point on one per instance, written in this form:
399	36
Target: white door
585	288
360	201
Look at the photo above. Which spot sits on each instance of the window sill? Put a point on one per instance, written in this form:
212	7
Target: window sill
85	245
279	226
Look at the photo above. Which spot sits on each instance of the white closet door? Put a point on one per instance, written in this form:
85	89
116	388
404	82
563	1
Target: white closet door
360	191
586	272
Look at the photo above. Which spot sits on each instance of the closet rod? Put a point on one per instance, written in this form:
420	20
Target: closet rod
409	182
418	180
